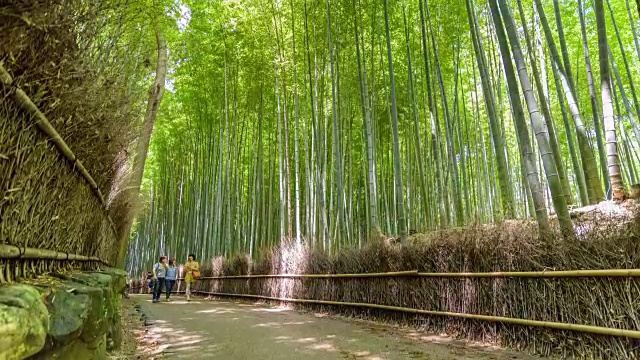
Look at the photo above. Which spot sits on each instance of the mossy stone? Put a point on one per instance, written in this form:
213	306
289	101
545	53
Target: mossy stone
77	350
69	313
24	321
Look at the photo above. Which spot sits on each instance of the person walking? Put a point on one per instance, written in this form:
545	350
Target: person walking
159	274
171	276
127	286
192	269
148	283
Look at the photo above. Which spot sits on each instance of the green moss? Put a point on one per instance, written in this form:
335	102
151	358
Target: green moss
69	313
73	319
23	322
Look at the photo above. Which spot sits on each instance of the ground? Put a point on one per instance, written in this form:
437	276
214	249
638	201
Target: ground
235	330
134	331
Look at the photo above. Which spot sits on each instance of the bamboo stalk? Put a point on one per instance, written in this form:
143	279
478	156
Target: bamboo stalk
525	322
14	252
497	274
45	126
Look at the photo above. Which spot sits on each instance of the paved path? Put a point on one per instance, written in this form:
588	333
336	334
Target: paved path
231	330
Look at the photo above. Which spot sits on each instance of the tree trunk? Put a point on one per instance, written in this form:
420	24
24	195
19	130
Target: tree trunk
297	117
592	97
563	48
133	191
435	146
613	163
370	143
397	166
632	87
548	160
336	134
546	112
522	132
589	164
450	141
416	127
506	190
623	95
634	32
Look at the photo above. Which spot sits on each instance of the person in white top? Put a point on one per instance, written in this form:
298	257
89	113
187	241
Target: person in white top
159	273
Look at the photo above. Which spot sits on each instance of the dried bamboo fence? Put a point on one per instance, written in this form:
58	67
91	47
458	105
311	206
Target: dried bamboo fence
23	100
17	260
17	263
421	298
608	273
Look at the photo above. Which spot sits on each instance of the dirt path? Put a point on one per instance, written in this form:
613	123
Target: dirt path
230	330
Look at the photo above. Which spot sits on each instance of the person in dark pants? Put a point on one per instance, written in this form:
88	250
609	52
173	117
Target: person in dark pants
170	278
127	286
159	274
149	283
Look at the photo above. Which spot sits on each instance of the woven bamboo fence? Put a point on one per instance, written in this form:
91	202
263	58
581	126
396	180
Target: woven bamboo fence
246	286
607	273
449	302
37	173
17	263
51	208
500	285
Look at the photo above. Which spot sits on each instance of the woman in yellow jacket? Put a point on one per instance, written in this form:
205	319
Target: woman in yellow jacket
192	269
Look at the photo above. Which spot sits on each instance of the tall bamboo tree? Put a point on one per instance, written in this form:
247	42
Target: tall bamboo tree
539	127
522	131
506	191
396	139
586	153
613	163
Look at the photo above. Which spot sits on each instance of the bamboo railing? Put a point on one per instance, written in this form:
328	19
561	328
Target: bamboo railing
316	276
415	273
525	322
14	252
540	274
23	100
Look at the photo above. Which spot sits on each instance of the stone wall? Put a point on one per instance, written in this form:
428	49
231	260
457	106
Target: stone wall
74	316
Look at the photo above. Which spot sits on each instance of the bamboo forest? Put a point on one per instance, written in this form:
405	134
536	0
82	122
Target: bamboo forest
319	179
330	122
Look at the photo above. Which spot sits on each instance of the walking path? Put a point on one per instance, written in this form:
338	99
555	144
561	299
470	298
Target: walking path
233	330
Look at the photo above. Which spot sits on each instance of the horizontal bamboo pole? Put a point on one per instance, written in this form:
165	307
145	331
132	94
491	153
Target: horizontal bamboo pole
14	252
499	274
316	276
508	320
540	274
45	126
